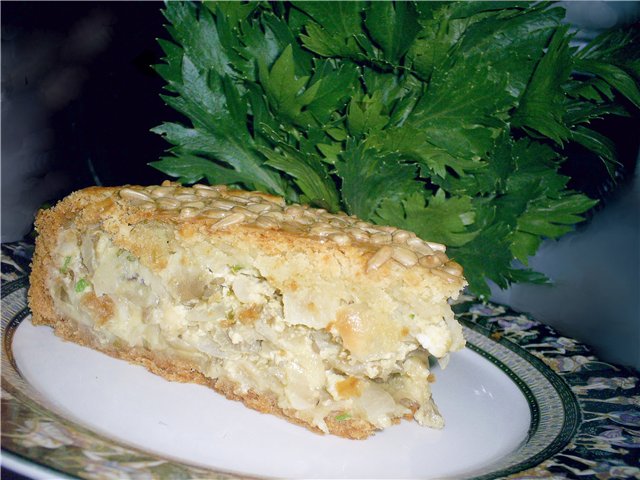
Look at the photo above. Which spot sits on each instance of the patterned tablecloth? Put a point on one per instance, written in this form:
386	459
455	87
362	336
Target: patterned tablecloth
605	445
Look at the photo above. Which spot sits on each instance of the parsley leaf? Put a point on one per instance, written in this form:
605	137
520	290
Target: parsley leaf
286	92
309	174
195	30
191	168
486	256
446	118
335	30
81	285
393	26
441	219
65	265
554	217
219	126
342	417
369	178
541	108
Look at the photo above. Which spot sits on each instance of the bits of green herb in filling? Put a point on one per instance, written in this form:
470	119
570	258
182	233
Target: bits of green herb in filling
81	285
65	265
342	417
129	256
235	268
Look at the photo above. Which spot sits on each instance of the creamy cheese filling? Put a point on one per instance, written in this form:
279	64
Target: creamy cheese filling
223	315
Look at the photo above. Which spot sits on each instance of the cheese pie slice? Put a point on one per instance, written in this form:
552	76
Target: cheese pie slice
321	318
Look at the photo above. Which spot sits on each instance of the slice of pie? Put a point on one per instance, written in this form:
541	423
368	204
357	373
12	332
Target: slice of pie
320	318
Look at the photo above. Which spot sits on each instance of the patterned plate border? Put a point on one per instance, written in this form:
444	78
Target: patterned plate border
555	412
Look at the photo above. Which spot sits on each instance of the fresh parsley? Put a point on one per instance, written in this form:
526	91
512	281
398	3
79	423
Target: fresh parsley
65	265
445	118
235	268
81	285
342	417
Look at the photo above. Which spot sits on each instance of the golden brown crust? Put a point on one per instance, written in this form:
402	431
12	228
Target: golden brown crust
40	302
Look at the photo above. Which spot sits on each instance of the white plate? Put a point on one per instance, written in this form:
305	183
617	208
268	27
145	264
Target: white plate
82	413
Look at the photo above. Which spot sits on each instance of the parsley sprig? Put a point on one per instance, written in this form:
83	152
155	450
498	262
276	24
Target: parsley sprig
444	118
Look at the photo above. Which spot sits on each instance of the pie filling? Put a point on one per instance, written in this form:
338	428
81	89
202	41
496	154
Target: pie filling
224	312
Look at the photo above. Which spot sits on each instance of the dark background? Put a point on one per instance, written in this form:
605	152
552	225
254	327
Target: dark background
97	60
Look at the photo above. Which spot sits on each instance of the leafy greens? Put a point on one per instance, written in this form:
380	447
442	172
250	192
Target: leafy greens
444	118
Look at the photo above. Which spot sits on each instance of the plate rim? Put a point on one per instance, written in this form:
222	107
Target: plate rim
25	466
570	404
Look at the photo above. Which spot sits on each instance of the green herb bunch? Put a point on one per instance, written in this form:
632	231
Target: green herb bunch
447	119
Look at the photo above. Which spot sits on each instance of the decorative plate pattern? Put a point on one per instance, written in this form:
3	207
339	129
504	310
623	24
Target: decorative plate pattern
585	413
606	444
